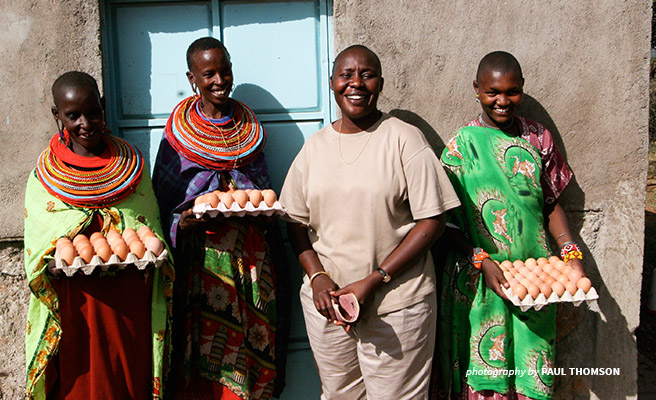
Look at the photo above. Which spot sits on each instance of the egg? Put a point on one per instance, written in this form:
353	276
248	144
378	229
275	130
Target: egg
531	263
512	282
549	280
566	270
525	282
79	240
507	275
584	284
227	199
533	291
137	248
96	236
507	265
563	279
86	252
129	233
212	199
547	268
240	197
154	245
537	270
531	277
574	275
571	287
555	273
554	259
269	197
543	276
559	265
67	253
112	236
558	288
542	261
519	291
143	232
519	264
120	248
524	271
103	250
255	197
546	290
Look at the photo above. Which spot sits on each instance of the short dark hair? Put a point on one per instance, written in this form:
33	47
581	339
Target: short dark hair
74	79
362	47
203	44
499	61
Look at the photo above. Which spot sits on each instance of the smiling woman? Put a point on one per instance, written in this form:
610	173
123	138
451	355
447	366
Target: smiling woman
365	198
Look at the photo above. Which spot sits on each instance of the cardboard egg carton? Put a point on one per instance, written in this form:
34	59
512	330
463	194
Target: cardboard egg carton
236	211
541	301
149	259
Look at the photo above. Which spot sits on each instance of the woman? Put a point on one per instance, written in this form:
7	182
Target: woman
365	198
227	339
107	332
509	174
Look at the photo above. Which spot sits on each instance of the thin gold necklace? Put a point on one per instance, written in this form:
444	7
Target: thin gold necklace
339	144
220	131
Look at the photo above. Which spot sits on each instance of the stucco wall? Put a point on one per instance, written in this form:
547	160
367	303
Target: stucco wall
39	40
586	70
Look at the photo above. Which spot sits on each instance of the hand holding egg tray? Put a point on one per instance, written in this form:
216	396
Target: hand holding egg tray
84	254
238	203
536	283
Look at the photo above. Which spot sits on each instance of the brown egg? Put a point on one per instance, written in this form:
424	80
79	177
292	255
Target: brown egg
507	275
533	291
512	282
574	275
553	260
559	265
154	245
137	248
531	277
507	265
96	236
525	282
129	233
80	238
240	197
143	232
86	252
212	199
227	199
120	248
255	197
537	270
269	197
555	273
63	241
584	284
546	289
520	291
67	253
519	264
543	276
112	236
571	287
103	250
558	287
542	261
563	279
547	268
566	270
531	263
549	280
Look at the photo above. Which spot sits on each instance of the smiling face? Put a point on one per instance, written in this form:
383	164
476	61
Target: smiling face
80	110
356	83
211	71
500	94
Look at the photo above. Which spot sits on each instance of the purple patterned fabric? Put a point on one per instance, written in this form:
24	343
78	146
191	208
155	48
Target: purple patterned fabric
178	181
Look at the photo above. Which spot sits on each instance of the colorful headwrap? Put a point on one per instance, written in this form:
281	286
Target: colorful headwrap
211	142
92	182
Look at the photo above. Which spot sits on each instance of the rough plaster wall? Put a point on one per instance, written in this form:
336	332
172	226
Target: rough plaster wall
586	70
39	40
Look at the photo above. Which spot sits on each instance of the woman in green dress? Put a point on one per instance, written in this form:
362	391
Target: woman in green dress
509	174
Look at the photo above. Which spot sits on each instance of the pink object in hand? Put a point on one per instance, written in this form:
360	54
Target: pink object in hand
347	308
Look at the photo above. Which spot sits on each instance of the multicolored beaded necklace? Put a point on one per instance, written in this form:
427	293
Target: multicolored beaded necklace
219	144
91	182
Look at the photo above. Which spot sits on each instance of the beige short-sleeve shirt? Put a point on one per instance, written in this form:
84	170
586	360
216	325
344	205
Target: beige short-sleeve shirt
360	194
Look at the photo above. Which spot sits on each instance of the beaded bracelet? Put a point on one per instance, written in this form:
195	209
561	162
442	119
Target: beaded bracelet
569	251
478	255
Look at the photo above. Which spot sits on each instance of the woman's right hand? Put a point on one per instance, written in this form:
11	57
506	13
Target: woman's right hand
494	278
322	285
188	220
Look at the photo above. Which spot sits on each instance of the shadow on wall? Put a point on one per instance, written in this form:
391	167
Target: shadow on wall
431	135
579	329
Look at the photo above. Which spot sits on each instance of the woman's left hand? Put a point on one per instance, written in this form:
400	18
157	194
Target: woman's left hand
362	289
576	264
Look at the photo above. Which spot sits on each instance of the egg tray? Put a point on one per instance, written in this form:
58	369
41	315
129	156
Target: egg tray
236	211
542	300
79	264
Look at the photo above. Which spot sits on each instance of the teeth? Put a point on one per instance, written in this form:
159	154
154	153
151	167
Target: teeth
355	96
502	110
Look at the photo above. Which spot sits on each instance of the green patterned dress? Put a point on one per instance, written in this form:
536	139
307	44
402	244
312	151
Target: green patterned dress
486	342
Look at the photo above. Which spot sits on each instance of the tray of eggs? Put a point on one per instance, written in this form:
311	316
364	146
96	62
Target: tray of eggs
238	203
141	248
536	283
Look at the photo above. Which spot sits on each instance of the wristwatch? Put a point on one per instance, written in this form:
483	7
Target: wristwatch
386	277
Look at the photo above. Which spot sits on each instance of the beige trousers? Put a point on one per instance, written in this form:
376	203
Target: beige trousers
385	356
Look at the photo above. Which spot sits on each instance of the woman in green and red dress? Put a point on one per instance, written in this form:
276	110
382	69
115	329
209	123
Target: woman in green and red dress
508	173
